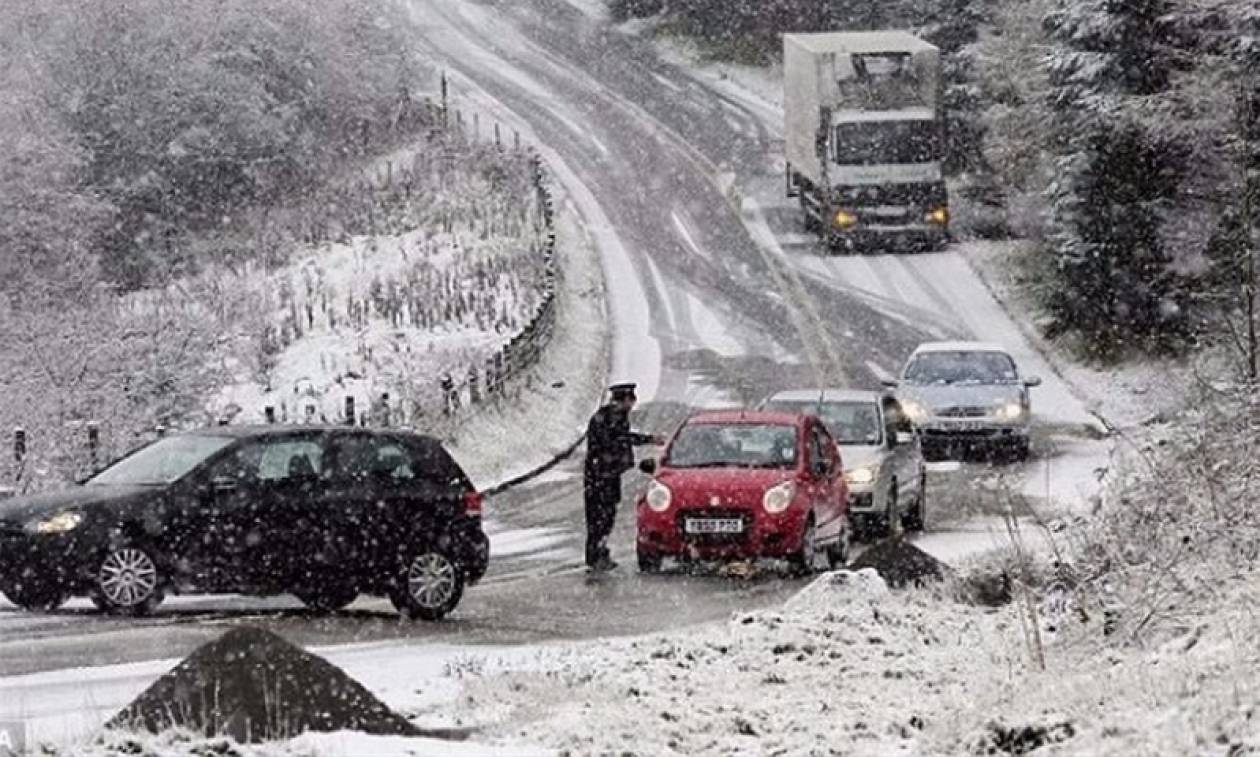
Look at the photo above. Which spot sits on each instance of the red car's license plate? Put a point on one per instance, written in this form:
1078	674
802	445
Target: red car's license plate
714	526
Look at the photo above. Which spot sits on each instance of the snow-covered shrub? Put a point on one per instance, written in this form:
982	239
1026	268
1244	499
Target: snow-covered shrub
1179	525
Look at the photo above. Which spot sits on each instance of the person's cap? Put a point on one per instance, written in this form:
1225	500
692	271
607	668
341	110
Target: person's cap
622	391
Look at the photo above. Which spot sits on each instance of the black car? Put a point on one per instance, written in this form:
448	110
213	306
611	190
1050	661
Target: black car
325	513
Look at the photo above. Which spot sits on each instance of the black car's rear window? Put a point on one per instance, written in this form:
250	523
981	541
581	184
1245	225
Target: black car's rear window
435	464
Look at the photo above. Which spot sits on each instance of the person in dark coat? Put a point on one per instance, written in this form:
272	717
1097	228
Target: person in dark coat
609	453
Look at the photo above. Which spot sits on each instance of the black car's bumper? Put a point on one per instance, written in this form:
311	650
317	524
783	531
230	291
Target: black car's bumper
64	561
471	547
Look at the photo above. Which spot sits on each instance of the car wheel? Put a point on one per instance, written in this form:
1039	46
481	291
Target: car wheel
128	581
430	586
803	562
36	598
886	524
838	553
1020	450
649	562
329	599
915	517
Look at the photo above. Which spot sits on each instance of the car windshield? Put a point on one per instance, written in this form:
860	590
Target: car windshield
961	367
736	445
849	422
162	462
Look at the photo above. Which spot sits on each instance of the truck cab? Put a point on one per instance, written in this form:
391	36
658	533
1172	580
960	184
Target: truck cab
864	139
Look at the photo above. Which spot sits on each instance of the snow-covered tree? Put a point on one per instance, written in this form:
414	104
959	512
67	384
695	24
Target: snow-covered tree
1116	173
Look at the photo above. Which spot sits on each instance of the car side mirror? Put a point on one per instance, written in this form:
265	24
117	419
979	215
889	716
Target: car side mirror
1032	381
648	466
891	383
819	468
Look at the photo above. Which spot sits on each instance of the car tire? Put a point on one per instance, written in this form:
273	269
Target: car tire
838	554
429	586
36	598
327	600
128	580
885	525
649	562
801	563
1020	450
915	517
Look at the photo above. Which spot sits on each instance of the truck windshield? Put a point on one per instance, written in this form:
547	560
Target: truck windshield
882	81
887	142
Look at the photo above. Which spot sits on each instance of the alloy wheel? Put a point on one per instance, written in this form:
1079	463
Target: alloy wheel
431	580
128	578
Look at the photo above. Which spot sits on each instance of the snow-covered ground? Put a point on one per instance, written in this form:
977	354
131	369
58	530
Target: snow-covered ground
437	290
843	662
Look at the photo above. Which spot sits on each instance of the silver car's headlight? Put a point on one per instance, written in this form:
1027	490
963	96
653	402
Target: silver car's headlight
861	475
56	524
915	411
1010	411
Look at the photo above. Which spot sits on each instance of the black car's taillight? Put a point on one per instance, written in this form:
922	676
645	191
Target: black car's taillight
473	502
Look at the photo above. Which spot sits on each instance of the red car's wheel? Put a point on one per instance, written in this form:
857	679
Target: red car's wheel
649	562
805	560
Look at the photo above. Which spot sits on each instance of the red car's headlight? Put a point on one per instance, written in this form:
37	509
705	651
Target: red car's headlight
658	496
778	497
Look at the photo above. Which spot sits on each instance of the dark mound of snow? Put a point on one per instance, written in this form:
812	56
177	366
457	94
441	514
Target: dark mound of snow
253	685
900	563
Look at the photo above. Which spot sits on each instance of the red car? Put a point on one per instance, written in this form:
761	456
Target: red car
743	485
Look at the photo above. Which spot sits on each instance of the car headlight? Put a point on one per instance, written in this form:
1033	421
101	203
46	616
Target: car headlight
844	219
658	496
778	497
861	475
915	411
57	524
938	216
1010	411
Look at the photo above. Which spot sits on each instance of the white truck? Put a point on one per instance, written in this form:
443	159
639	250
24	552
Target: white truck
864	139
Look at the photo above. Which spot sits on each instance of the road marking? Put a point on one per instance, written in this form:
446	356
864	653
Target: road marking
681	226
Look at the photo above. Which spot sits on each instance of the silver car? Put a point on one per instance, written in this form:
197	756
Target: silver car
883	466
964	396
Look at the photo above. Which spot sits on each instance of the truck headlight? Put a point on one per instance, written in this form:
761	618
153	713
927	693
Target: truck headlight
844	219
778	497
1010	411
658	497
938	216
862	475
56	524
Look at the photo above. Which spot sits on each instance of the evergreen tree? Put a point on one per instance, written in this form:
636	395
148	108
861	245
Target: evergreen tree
1117	173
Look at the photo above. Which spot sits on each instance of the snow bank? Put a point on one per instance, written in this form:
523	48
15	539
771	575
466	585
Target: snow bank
846	666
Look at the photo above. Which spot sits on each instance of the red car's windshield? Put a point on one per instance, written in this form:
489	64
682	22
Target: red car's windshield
736	445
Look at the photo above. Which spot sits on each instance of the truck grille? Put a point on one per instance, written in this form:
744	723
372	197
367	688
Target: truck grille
963	411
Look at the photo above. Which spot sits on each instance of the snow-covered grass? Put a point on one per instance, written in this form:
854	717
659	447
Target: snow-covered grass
450	267
548	411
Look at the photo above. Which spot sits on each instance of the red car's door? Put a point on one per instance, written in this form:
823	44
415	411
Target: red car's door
826	483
